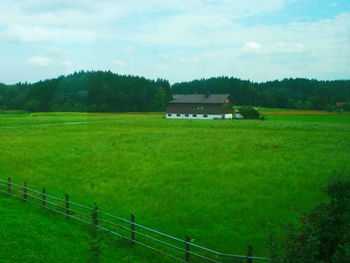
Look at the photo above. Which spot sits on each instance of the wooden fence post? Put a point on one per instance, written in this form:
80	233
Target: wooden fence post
132	226
44	197
95	246
67	205
249	254
9	185
187	252
25	191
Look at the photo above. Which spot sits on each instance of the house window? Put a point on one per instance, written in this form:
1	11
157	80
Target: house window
178	115
205	116
194	115
169	115
186	115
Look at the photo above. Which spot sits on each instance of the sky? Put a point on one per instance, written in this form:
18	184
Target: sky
179	40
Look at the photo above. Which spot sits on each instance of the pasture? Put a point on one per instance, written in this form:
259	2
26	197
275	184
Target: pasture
223	183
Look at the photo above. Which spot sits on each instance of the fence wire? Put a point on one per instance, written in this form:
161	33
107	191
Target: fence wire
65	208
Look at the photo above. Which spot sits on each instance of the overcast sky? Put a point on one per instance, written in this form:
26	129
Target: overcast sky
178	40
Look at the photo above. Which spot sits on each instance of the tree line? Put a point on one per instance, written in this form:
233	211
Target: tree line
92	91
290	93
104	91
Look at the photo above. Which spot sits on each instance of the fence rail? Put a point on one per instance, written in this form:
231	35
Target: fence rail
173	247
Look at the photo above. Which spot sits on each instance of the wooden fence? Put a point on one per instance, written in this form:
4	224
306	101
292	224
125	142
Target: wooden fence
170	246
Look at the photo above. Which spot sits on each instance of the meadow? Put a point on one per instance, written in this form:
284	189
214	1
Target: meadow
223	183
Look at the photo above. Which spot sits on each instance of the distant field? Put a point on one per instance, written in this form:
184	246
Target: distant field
306	116
287	112
220	182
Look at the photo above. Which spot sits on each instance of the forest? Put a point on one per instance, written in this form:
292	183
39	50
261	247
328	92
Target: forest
92	91
289	93
104	91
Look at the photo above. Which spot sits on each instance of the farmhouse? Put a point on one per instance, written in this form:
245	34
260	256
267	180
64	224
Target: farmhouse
200	106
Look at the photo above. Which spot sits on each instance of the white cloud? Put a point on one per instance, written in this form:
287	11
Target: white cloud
284	47
39	61
252	46
55	10
314	49
35	20
41	34
119	62
183	39
19	33
272	48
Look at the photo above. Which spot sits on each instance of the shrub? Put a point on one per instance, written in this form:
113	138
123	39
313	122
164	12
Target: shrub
324	235
249	112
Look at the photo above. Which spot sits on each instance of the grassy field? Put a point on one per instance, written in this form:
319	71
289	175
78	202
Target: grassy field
30	235
220	182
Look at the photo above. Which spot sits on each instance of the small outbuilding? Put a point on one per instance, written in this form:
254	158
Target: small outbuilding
200	106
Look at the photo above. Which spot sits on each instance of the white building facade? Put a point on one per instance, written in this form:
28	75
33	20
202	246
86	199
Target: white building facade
198	116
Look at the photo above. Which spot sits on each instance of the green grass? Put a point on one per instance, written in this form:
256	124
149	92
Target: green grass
340	118
32	235
220	182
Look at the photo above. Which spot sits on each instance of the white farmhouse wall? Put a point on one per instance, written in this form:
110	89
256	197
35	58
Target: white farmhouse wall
197	116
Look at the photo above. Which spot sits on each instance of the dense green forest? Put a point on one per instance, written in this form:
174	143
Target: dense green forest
287	93
95	91
104	91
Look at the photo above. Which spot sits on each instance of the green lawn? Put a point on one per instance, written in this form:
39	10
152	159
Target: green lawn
220	182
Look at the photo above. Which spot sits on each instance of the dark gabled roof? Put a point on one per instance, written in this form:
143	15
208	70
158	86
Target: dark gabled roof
201	98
